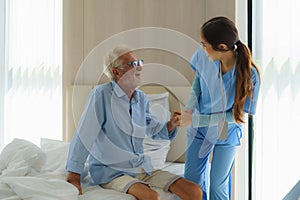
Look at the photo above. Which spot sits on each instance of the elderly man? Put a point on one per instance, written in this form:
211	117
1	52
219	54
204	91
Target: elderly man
110	135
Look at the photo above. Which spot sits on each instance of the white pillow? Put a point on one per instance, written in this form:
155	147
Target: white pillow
157	150
56	154
159	105
21	157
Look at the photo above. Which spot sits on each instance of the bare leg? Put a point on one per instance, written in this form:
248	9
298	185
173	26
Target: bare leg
143	192
186	190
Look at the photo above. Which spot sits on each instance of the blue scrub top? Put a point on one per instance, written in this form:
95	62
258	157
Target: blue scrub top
210	95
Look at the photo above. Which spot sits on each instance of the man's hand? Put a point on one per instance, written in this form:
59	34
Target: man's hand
174	121
74	179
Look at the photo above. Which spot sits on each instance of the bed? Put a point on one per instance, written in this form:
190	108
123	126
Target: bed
28	171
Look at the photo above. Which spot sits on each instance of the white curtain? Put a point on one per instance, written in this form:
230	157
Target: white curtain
277	134
33	68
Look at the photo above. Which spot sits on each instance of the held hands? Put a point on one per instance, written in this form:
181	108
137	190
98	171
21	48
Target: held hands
180	119
174	121
74	179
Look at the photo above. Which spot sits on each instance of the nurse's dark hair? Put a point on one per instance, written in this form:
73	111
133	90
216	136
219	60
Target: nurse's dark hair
221	30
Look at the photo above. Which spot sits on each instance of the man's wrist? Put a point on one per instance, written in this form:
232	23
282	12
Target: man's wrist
170	127
72	176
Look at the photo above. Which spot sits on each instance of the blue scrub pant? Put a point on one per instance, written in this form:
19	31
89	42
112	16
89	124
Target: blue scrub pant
215	181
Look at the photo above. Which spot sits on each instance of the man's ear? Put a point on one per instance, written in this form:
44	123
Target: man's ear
223	47
115	71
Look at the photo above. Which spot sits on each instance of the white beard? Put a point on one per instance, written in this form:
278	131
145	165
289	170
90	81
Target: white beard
130	80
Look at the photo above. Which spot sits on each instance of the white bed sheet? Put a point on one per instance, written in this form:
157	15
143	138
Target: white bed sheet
52	186
6	193
35	173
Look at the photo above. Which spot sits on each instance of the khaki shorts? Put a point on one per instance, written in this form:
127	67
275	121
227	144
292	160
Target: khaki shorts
158	178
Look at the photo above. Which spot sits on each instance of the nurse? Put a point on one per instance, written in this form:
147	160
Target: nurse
226	86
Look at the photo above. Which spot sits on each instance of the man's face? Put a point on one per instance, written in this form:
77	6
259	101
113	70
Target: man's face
126	75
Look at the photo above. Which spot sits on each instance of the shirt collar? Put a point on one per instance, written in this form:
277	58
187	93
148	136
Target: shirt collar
217	63
120	93
135	97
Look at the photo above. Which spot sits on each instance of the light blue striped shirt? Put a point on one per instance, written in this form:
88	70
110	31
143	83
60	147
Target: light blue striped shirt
112	137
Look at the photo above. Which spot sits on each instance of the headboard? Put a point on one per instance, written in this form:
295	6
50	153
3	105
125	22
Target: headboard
178	95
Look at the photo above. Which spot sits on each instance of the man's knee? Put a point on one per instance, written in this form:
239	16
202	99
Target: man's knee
195	192
151	195
186	189
143	192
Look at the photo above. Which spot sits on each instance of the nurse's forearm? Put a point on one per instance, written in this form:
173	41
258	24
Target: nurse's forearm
199	120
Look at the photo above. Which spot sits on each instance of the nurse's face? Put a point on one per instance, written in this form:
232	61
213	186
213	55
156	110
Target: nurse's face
212	54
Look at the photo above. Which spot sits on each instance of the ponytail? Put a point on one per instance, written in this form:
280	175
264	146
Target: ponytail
244	84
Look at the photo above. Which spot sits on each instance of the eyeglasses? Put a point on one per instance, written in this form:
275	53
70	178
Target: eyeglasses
134	64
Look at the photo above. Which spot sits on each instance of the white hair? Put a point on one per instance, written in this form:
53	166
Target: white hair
112	60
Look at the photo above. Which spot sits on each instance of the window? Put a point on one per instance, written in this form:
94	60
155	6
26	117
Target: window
2	69
31	94
276	50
